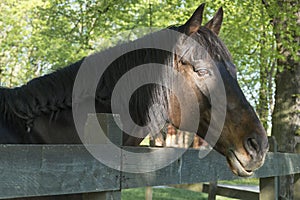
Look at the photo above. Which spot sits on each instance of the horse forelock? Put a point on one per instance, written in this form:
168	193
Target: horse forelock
214	46
210	43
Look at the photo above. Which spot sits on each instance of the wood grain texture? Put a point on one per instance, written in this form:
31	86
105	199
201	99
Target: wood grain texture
52	170
190	169
233	192
32	170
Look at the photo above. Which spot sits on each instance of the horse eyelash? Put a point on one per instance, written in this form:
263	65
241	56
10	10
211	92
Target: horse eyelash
204	70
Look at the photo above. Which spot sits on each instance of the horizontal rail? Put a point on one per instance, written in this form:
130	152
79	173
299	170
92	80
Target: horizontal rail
37	170
297	139
237	192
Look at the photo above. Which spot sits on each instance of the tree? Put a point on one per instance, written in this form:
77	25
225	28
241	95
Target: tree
40	36
14	44
249	35
285	15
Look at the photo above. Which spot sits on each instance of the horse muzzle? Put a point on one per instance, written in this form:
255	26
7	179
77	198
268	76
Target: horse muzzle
245	161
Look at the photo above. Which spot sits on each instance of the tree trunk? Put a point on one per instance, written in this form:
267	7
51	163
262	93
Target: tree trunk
286	115
286	119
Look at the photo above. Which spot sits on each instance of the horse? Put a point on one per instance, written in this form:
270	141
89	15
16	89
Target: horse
41	111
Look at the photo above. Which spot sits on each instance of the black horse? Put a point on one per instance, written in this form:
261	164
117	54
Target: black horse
40	112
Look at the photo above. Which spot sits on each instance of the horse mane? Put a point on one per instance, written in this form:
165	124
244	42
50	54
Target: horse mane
215	47
44	94
53	92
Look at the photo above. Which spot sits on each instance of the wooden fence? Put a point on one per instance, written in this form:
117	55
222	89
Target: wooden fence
268	186
41	170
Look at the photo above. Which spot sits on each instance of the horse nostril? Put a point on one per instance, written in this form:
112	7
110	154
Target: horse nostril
252	146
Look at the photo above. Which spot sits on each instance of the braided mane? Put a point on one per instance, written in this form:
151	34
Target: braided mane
42	95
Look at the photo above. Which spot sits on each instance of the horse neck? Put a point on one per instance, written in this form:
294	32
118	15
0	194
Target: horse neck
7	98
39	96
10	126
148	102
3	103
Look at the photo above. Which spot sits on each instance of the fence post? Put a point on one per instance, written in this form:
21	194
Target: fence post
114	134
148	193
297	176
115	195
269	186
212	192
297	186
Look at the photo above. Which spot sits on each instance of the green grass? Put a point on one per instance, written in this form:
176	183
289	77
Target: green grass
181	194
247	181
166	194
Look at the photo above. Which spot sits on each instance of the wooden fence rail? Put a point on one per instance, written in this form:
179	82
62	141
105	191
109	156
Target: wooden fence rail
27	170
39	170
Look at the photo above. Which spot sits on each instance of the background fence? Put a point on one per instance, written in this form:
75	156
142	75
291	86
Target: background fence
38	170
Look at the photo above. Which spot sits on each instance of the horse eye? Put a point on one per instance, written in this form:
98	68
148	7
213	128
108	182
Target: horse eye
203	72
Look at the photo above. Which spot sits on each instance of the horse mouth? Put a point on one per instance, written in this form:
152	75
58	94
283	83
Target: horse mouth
236	166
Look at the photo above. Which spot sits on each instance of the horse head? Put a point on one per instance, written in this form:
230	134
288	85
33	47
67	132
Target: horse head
205	62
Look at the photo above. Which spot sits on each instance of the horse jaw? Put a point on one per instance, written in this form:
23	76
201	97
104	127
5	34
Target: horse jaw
236	166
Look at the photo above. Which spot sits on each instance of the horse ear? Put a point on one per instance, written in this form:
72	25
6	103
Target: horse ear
194	23
216	22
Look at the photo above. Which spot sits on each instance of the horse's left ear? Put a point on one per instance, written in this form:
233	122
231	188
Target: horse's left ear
194	23
216	22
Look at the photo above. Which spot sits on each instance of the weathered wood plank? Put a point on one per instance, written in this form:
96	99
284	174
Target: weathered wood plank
268	188
212	190
279	164
69	169
187	169
297	186
112	195
113	134
165	176
52	170
297	176
233	192
190	169
210	168
148	193
297	139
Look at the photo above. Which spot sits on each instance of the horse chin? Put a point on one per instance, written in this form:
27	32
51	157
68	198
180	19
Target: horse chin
236	166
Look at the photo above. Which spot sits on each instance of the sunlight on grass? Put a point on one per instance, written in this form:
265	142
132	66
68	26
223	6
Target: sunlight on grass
247	181
146	141
166	194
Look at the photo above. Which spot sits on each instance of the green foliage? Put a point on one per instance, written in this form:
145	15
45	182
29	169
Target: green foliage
15	41
38	36
298	131
247	181
285	15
